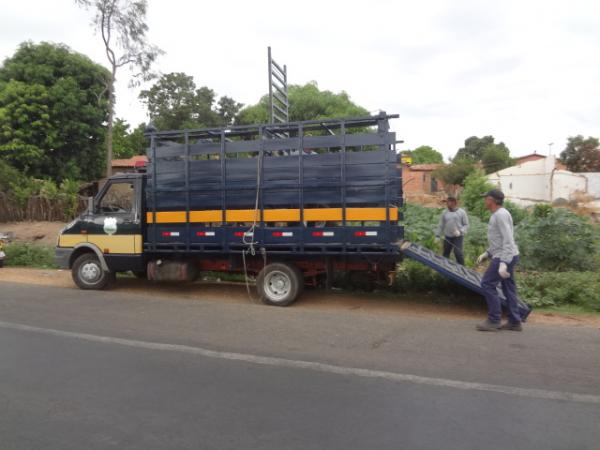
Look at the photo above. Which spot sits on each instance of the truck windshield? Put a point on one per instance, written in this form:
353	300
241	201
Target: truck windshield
117	199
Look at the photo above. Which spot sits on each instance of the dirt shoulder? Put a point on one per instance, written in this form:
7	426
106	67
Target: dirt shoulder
42	233
312	299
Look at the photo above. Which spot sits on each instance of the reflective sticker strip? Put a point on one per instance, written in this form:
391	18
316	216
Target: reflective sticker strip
365	233
274	215
282	233
323	233
170	234
242	233
205	233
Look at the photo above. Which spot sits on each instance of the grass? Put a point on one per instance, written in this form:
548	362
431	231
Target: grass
28	255
568	309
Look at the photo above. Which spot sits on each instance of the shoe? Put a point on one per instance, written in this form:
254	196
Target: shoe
512	326
488	326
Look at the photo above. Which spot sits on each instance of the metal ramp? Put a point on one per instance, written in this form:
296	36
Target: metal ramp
468	278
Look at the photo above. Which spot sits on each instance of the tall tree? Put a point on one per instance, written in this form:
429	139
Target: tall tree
474	147
581	154
495	157
52	112
174	102
228	109
122	25
127	142
456	172
307	102
425	155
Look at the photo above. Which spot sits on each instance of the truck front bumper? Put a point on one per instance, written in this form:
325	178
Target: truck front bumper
62	256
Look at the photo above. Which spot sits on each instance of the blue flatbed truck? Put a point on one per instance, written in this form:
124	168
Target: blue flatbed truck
289	204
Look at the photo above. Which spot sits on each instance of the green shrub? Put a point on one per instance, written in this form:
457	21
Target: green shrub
541	210
559	241
420	224
29	255
412	276
475	185
580	289
518	214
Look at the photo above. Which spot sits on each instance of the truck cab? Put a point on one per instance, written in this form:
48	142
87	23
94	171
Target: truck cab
108	236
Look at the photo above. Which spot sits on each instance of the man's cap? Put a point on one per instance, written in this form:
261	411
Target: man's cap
450	198
496	194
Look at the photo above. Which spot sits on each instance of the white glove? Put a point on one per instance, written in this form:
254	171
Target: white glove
482	257
456	233
503	271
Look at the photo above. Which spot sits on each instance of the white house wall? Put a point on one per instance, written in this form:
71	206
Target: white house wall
539	181
566	183
593	185
526	183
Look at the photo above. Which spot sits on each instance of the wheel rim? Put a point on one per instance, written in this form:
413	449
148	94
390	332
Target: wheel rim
277	285
90	272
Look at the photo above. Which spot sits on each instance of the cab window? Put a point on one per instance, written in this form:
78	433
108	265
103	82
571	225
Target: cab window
118	198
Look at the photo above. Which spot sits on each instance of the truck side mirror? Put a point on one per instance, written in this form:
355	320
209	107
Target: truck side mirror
90	205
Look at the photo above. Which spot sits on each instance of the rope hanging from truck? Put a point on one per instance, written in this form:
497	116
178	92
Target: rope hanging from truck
250	233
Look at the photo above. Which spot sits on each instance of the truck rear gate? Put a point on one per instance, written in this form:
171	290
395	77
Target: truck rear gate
468	278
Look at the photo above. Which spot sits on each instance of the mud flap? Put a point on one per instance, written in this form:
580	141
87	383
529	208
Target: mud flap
468	278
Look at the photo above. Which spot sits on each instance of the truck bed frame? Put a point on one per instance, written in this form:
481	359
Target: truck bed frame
325	187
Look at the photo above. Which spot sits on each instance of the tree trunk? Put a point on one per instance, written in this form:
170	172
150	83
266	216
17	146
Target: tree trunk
109	129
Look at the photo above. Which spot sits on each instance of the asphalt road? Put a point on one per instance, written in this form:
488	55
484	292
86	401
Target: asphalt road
95	370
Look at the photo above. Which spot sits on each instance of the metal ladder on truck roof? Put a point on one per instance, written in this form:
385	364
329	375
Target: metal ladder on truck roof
468	278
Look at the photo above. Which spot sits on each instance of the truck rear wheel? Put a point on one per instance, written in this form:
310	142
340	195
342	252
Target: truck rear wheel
279	284
87	273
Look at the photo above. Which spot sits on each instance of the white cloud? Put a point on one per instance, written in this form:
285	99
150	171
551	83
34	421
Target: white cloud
524	71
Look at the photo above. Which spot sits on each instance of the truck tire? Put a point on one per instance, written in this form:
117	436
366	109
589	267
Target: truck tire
87	273
279	284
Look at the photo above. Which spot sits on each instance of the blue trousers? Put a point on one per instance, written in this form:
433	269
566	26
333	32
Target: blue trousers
454	244
489	283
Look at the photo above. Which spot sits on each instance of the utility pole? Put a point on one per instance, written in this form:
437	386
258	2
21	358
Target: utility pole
550	148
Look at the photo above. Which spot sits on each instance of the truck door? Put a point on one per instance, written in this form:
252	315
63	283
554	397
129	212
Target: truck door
115	227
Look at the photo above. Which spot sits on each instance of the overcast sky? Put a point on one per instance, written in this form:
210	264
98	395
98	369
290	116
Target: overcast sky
527	72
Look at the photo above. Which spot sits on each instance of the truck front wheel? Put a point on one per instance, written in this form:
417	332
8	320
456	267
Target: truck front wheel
87	273
279	284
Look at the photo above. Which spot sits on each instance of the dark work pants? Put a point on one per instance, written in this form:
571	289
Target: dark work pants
454	244
489	283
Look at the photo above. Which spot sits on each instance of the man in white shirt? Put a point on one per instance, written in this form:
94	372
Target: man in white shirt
504	255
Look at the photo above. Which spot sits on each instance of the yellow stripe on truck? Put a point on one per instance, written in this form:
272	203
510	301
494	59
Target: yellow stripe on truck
281	215
71	240
274	215
118	243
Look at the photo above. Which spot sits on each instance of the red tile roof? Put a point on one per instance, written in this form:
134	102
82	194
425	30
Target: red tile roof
425	167
134	161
